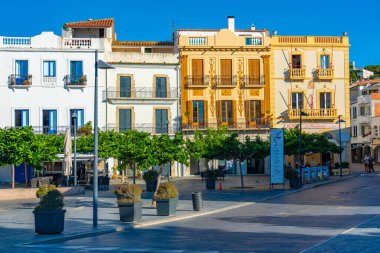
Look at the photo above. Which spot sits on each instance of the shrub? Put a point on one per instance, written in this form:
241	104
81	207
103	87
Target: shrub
211	174
44	189
128	193
290	173
53	200
150	175
167	191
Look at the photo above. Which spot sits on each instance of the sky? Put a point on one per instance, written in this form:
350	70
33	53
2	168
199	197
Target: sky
152	20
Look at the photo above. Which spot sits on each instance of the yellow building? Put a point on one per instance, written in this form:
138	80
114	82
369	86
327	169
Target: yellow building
250	81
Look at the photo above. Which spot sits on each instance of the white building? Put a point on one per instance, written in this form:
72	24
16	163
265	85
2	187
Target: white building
45	77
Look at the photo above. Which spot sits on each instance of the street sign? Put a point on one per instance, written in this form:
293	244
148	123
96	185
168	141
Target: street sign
276	156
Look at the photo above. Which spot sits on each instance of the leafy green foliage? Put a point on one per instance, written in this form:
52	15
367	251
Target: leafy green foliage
290	173
86	129
128	193
53	200
45	148
196	147
44	189
150	175
167	191
211	174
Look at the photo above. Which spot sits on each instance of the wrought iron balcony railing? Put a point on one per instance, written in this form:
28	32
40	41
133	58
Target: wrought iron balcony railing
143	127
20	80
197	81
230	124
253	81
75	80
140	93
225	81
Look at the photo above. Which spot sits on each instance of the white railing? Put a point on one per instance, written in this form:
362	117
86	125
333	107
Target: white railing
49	80
83	43
197	41
364	99
15	41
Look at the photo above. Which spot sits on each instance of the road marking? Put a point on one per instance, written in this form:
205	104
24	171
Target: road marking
344	232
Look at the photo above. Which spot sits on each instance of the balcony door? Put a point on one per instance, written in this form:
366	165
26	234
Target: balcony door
162	121
253	113
197	71
325	100
297	100
49	121
125	86
226	71
198	115
21	71
254	71
161	91
226	112
296	61
22	118
76	71
325	61
79	119
125	120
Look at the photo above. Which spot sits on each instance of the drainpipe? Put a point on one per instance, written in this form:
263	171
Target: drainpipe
106	101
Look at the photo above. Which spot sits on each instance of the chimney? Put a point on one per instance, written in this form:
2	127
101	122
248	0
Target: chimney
253	27
231	23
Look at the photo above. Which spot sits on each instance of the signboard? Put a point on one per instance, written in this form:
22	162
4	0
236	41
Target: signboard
276	156
313	125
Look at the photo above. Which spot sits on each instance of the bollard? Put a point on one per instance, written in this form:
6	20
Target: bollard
197	201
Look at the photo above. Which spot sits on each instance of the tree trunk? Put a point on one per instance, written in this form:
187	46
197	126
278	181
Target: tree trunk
13	176
158	184
26	172
241	175
134	173
199	170
122	176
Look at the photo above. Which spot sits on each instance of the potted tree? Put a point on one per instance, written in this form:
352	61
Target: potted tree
49	215
150	178
166	199
210	176
292	176
129	202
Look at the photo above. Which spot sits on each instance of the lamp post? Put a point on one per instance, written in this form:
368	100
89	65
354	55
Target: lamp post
340	144
74	116
300	145
98	65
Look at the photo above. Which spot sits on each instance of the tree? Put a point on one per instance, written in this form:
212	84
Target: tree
15	147
213	144
196	147
163	150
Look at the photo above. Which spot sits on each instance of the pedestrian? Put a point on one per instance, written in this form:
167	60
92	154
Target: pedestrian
370	164
366	163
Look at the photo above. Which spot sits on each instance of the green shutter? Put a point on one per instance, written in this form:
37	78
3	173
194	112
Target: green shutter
125	86
125	119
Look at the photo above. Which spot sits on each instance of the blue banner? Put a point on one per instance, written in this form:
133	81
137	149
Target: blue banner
276	156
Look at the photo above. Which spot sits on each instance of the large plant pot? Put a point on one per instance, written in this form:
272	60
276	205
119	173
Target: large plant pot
151	185
210	184
294	182
130	212
166	207
49	222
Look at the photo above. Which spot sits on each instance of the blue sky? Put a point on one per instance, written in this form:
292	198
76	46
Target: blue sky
152	20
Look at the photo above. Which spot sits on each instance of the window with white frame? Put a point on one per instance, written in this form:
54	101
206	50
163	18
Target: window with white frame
297	100
197	41
253	41
49	69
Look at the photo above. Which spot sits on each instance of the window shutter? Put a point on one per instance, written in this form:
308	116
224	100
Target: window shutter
247	111
254	71
234	113
226	71
205	113
219	111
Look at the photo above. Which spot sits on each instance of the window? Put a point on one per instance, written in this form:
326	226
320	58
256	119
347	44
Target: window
225	112
148	50
125	86
49	121
254	71
49	69
21	71
101	33
297	100
162	123
161	91
354	113
197	71
79	120
325	100
364	110
125	119
198	112
253	41
376	131
362	131
197	41
355	132
325	61
253	109
296	61
76	71
225	71
22	118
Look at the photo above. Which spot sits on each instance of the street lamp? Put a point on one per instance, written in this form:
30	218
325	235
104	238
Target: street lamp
340	143
98	65
300	145
74	116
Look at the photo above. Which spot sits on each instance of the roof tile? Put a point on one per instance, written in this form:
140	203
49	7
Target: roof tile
108	22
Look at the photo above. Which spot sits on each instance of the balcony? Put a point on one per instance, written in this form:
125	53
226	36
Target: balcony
83	43
259	123
15	42
140	94
325	73
75	82
297	73
225	81
253	81
323	114
364	99
20	81
49	80
144	127
49	129
363	119
197	81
